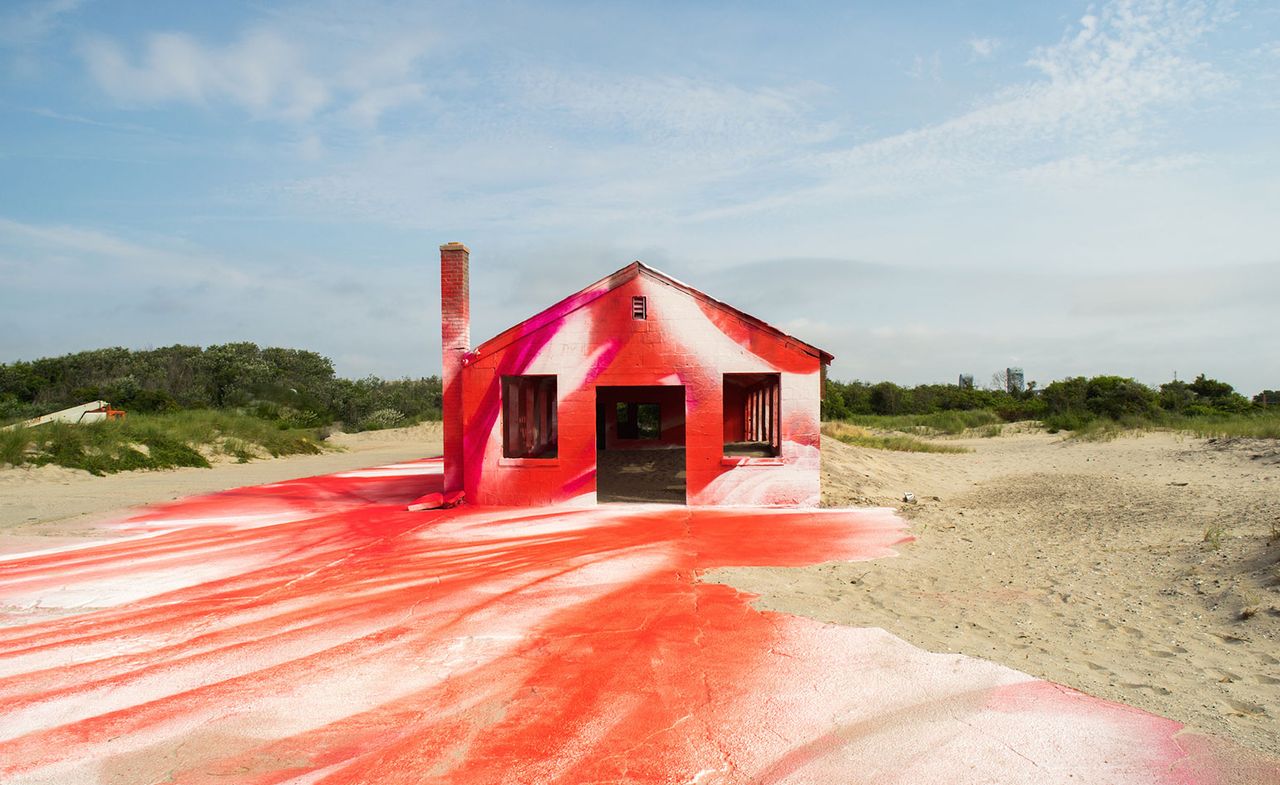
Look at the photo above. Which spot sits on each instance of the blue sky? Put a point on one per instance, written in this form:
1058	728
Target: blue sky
923	189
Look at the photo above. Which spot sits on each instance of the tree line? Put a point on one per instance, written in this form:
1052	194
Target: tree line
298	388
294	387
1066	403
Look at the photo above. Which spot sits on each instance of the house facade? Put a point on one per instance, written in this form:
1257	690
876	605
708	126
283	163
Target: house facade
636	377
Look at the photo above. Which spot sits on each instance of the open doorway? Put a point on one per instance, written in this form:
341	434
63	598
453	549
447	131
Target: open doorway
640	447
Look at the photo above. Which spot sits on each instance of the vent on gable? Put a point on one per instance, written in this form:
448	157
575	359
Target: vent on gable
639	308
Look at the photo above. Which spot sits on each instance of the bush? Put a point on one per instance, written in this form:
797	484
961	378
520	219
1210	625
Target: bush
1118	397
290	387
1069	421
160	441
382	418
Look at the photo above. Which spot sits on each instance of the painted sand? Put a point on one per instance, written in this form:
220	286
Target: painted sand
313	631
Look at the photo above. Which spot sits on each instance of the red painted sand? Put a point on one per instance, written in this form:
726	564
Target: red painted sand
316	632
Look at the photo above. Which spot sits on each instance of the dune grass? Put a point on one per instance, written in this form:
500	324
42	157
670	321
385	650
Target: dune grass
950	422
155	441
1243	426
860	437
1238	426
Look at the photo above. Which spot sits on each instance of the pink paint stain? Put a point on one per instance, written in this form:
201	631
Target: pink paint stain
316	632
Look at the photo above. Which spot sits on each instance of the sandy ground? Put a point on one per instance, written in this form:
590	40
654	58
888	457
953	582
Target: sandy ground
1082	563
49	506
1085	563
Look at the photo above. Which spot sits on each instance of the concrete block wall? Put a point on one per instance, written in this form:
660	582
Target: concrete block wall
685	341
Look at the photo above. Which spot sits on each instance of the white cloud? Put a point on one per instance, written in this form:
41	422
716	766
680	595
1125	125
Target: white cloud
663	106
983	48
367	109
1101	93
148	291
260	72
265	71
28	24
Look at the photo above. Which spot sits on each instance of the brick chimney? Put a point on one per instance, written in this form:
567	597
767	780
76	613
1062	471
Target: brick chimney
455	335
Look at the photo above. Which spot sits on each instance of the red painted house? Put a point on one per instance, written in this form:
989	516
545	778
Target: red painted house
636	388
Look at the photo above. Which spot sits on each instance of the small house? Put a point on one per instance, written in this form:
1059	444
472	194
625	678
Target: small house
636	388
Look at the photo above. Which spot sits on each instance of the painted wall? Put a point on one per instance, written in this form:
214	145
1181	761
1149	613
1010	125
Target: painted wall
685	341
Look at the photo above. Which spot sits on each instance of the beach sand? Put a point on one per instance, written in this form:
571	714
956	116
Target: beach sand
49	506
1145	569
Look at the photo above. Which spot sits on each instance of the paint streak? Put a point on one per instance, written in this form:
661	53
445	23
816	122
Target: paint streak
316	632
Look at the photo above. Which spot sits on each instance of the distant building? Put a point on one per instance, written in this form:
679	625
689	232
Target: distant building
966	381
1014	381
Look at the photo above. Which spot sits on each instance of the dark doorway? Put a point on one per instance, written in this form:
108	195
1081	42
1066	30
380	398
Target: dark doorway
640	446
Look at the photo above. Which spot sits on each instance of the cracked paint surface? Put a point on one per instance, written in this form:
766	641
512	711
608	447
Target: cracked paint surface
315	632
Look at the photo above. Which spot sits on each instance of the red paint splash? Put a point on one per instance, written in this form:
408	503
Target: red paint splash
314	631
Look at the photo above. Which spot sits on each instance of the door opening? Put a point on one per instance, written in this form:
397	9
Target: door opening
640	444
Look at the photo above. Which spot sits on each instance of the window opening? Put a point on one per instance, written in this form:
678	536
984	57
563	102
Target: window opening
752	414
639	420
648	421
529	417
639	307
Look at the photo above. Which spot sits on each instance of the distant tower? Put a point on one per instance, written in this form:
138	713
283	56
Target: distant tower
966	381
1014	380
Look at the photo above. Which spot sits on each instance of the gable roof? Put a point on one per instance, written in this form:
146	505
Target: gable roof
600	288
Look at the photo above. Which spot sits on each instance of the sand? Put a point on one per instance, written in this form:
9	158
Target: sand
1085	563
49	506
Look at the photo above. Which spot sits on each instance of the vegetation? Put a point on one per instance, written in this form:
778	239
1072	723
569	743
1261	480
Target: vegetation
154	441
292	388
860	437
948	422
186	403
1091	408
846	400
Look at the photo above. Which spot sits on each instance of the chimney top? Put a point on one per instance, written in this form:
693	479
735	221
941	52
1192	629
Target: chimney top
455	246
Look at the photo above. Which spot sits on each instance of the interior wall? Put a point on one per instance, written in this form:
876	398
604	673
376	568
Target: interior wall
669	398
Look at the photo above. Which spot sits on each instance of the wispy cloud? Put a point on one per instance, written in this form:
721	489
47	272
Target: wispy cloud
266	71
30	23
665	107
983	48
929	67
117	290
261	72
1100	93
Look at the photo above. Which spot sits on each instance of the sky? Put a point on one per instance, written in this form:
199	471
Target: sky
923	189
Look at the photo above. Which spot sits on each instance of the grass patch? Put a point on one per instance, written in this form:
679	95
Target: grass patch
951	422
860	437
155	441
13	447
1238	426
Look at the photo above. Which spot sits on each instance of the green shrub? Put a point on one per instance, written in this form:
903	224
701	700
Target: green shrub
159	441
382	418
1073	421
939	422
859	437
13	447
